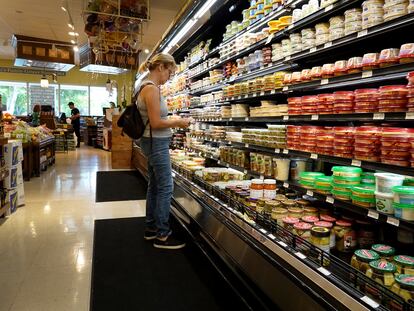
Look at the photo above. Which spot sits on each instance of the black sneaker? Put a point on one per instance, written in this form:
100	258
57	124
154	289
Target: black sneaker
169	243
150	235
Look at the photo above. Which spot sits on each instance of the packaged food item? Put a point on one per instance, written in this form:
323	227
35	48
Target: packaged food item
384	202
256	189
303	230
404	211
329	226
320	237
342	195
389	57
340	67
386	181
345	236
403	194
404	264
283	168
269	186
289	222
406	53
346	171
354	65
278	214
404	287
381	272
361	259
386	252
370	61
328	71
310	219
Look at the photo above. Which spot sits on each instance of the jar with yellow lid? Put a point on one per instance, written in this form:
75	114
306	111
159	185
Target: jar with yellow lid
295	212
278	214
310	211
260	205
289	203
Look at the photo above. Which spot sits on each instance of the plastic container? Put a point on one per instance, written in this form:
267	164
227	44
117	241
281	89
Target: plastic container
342	195
404	264
386	252
386	181
370	61
389	57
283	168
381	272
404	211
403	194
354	65
404	287
346	171
361	259
384	203
407	53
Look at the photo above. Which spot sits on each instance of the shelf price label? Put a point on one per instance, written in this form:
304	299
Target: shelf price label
246	145
261	177
218	162
300	255
254	94
246	119
285	185
262	93
282	243
228	165
379	116
277	150
309	193
367	74
356	163
324	271
324	81
245	171
314	156
409	116
7	135
288	58
370	302
19	136
272	236
362	33
232	78
315	117
230	119
328	8
373	214
285	151
269	39
312	50
263	231
327	45
330	200
273	92
393	221
285	88
285	118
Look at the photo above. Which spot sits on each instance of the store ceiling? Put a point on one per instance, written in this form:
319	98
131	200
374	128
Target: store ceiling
45	19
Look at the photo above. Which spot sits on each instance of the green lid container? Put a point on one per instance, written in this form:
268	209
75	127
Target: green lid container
344	178
346	171
382	266
364	200
364	190
310	176
327	188
400	205
341	193
408	181
343	187
403	190
405	281
383	250
366	255
406	261
368	178
324	179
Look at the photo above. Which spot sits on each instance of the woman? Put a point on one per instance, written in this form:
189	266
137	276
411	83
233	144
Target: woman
155	144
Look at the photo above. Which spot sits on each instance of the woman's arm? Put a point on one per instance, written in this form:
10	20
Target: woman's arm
151	96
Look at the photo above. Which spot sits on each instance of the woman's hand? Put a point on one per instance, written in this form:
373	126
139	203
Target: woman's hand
184	122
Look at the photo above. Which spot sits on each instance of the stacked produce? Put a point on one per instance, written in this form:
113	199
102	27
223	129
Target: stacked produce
20	130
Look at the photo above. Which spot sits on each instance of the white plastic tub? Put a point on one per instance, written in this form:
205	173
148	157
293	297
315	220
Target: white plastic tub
384	202
385	182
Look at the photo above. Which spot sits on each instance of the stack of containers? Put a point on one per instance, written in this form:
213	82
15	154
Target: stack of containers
396	145
343	179
343	141
323	184
384	183
308	138
363	195
296	42
344	102
293	137
393	98
410	91
372	13
326	103
366	100
308	38
295	105
307	179
13	156
279	76
403	202
325	140
321	33
367	143
336	27
309	104
353	21
277	134
394	9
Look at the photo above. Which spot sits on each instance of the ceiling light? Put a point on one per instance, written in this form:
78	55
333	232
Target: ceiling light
73	34
73	41
182	32
44	82
29	60
71	26
63	8
76	48
146	51
204	8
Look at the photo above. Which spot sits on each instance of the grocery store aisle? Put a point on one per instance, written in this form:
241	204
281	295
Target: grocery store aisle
46	246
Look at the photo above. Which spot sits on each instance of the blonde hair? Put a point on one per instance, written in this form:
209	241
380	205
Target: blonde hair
159	59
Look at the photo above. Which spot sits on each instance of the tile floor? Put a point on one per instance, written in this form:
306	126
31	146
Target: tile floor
46	246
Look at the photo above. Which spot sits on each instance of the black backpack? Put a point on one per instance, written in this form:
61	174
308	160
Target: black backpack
131	121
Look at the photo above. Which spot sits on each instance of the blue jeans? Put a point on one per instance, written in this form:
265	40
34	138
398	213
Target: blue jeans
160	185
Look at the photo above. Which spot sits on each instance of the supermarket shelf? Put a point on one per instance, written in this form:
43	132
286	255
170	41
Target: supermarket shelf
208	55
209	89
379	30
183	92
263	71
351	117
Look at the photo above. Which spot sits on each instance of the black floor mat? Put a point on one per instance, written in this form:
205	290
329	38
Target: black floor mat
120	186
128	273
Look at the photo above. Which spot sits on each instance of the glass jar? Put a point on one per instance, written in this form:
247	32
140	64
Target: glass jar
260	206
328	225
382	272
310	219
269	189
270	205
386	252
296	212
310	211
366	234
289	222
404	264
320	237
361	259
345	236
404	287
256	189
289	204
303	230
278	214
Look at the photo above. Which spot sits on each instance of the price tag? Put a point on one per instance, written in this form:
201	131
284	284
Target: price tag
330	200
273	92
277	150
173	174
370	302
356	163
282	243
362	33
309	193
216	199
291	26
285	185
246	145
324	81
379	116
269	39
367	74
285	151
300	255
228	165
409	116
263	230
239	97
393	221
285	88
219	162
373	214
315	117
230	119
328	8
285	118
324	271
261	177
254	94
288	58
232	98
246	119
232	78
271	236
245	171
19	136
245	96
314	156
262	93
270	65
327	45
7	135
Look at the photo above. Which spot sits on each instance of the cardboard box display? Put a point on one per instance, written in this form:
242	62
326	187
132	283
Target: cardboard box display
15	177
12	198
13	152
21	200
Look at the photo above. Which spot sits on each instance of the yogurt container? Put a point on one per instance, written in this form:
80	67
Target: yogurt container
403	195
282	169
384	203
404	211
386	181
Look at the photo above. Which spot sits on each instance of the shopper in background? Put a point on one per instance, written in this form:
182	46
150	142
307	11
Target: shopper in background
112	104
75	117
155	144
36	115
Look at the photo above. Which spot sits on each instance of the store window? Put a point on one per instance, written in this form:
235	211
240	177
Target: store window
14	97
76	94
100	98
43	96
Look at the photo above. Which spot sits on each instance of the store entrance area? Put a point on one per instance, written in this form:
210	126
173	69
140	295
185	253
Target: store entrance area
46	247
